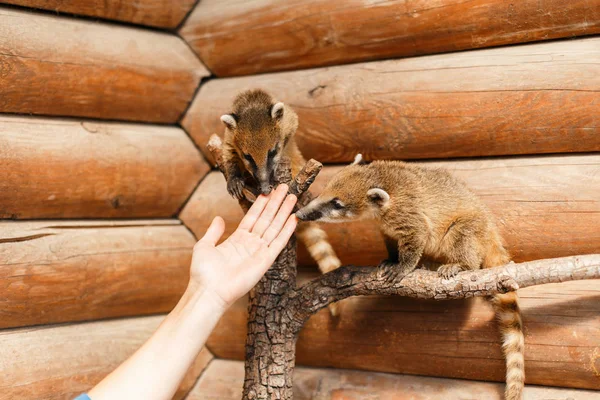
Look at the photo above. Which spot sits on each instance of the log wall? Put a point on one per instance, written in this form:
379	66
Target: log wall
61	66
157	13
55	168
63	271
452	105
242	37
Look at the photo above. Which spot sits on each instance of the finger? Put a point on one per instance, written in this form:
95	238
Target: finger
280	219
283	237
253	213
214	231
270	210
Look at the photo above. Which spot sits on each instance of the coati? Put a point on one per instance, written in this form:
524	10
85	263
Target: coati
427	213
258	133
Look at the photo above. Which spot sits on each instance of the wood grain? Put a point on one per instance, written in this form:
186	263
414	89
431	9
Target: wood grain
539	98
57	363
223	379
62	66
53	271
546	207
456	339
51	168
158	13
247	37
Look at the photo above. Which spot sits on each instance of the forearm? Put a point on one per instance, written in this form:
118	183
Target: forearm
156	369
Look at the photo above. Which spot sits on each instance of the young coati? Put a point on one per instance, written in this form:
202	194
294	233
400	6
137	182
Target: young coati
426	213
258	133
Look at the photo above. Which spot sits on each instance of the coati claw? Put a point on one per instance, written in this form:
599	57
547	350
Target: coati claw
235	187
390	270
448	271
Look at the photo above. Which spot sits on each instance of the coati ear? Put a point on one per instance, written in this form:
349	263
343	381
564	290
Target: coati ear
229	121
378	196
277	111
358	160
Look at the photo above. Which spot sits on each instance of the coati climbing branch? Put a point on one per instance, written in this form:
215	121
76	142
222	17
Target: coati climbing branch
278	310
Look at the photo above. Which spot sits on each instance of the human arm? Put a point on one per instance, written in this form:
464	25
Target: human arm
219	275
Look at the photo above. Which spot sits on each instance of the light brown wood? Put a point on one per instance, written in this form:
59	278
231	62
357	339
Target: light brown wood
223	379
530	99
158	13
456	339
63	66
546	207
52	168
247	37
57	363
60	271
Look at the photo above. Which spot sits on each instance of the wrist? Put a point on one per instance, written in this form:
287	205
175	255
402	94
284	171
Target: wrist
199	294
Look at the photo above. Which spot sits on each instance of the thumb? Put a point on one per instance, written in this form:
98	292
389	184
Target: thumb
214	232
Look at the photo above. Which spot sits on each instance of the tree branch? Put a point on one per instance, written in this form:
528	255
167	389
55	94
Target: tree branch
361	281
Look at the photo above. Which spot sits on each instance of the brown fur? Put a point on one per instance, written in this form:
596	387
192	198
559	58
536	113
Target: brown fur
426	213
257	130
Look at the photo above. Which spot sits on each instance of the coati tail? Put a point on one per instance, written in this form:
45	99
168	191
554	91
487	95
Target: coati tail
315	240
513	342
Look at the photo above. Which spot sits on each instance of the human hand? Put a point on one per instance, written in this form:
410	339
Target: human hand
231	269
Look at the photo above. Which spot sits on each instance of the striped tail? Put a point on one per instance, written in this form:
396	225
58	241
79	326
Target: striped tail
510	324
315	240
513	343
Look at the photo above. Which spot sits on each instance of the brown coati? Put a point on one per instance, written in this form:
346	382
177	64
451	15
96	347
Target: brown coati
258	133
426	212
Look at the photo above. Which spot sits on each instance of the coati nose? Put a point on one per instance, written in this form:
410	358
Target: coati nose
308	216
266	188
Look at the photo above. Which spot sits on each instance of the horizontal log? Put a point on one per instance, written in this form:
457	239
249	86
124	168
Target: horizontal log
546	207
456	339
55	168
223	380
158	13
57	363
540	98
53	271
62	66
310	33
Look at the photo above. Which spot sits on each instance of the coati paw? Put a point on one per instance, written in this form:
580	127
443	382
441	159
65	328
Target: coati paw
389	270
448	271
235	187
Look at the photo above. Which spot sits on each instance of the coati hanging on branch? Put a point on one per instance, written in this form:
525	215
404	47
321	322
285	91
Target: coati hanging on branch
427	213
258	133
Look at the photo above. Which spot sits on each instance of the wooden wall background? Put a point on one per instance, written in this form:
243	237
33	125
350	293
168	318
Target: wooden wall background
105	110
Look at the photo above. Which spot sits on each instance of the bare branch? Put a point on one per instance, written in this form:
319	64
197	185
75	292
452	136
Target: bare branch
361	281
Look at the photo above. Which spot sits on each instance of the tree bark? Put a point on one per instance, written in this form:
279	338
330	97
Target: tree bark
277	309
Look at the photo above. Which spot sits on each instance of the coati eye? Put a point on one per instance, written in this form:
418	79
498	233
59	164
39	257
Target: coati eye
337	204
249	158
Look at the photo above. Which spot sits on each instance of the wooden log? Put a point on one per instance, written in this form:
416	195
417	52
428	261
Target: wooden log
539	98
54	168
546	207
223	378
158	13
53	272
243	37
56	363
456	339
62	66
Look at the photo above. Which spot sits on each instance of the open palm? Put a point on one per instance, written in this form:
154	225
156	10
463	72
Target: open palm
232	268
